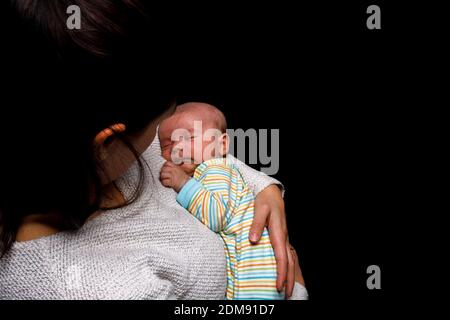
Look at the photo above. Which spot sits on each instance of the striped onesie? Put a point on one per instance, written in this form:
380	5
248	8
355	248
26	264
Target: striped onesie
218	196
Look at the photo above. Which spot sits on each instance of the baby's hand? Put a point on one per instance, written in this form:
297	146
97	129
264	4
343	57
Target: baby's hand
173	176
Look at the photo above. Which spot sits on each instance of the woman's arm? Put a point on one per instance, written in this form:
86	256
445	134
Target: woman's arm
270	212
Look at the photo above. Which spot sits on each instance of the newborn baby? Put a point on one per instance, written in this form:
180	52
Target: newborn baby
195	145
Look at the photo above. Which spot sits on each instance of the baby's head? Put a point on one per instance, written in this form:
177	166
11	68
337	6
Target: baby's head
195	133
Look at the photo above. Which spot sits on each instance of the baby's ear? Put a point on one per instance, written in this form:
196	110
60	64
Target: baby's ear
224	140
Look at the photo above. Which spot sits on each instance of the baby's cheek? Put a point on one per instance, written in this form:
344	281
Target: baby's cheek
210	150
200	152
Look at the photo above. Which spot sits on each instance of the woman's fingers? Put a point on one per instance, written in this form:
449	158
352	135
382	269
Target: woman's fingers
290	271
278	240
277	230
298	271
262	212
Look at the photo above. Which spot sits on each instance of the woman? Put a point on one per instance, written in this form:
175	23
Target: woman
83	215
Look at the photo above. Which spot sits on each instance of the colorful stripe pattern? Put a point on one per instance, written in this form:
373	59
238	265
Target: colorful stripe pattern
219	197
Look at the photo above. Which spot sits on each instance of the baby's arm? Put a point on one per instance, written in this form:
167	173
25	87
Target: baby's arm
210	201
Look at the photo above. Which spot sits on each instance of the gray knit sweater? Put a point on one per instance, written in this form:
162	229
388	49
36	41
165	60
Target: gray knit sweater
152	249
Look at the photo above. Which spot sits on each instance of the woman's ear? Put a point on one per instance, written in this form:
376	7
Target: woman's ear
102	138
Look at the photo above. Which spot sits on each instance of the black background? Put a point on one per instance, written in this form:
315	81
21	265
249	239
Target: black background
313	71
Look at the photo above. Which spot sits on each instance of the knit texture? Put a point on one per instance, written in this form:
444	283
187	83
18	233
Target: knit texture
152	249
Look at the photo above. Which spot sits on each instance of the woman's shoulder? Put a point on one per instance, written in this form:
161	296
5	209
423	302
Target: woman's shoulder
148	243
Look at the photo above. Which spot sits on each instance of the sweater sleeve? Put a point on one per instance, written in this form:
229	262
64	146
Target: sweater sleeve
210	200
299	293
256	180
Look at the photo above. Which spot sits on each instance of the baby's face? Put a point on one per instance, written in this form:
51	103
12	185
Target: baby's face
187	141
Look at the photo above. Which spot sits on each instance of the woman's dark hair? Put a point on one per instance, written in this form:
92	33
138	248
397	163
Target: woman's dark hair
48	162
103	22
50	116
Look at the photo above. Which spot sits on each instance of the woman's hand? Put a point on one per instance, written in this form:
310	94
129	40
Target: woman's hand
269	211
298	270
